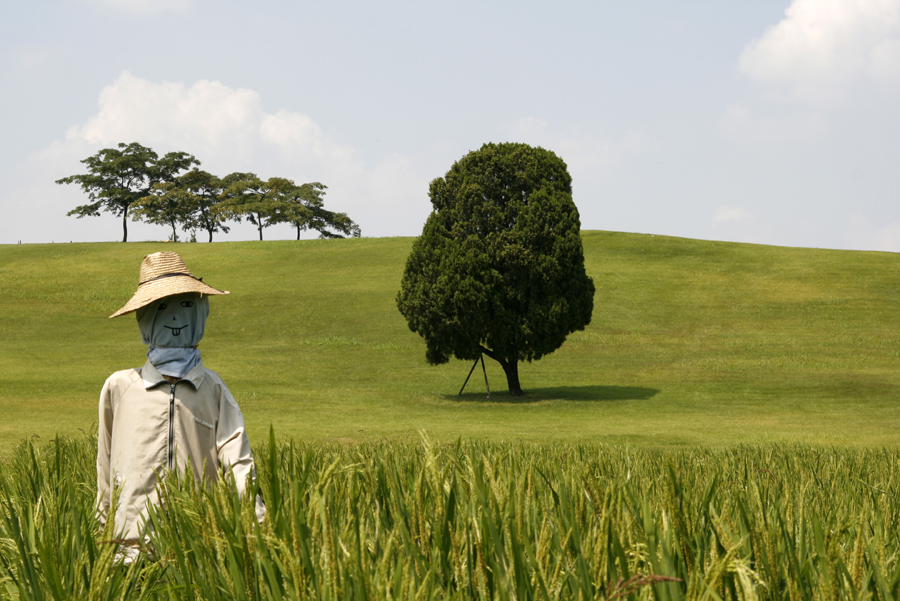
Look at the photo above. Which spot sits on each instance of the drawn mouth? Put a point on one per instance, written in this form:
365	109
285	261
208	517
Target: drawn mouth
176	331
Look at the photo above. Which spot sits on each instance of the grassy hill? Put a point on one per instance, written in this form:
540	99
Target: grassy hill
691	342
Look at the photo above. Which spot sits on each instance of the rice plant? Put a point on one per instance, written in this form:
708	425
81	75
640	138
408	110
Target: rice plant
470	520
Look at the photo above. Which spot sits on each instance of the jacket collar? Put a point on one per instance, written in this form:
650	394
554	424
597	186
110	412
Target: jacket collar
152	377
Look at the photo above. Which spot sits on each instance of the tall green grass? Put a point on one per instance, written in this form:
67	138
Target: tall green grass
472	520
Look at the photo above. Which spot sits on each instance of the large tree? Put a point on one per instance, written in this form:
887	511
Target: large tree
190	201
167	204
305	210
499	267
261	202
280	200
119	177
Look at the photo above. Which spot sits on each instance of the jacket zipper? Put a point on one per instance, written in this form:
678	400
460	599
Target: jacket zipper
171	425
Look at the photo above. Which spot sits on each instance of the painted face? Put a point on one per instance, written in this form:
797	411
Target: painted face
174	321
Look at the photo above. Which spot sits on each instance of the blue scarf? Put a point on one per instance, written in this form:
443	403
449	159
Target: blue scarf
172	327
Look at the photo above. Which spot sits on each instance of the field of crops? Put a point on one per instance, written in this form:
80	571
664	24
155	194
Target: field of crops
472	520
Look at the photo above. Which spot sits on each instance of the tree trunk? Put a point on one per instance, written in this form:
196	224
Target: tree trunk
174	233
210	234
510	368
298	232
125	226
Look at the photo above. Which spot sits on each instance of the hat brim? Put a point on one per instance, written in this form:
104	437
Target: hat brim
169	286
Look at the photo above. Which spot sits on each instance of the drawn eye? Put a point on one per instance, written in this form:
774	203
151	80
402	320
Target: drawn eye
161	306
187	303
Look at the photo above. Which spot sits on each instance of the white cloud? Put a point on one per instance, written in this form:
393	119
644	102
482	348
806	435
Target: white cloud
862	234
725	213
207	117
295	133
740	124
736	224
227	130
144	7
821	47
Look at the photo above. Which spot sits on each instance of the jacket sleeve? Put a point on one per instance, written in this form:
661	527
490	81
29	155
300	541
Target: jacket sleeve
104	436
233	446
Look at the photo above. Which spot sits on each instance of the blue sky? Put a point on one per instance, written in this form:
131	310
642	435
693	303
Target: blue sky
762	121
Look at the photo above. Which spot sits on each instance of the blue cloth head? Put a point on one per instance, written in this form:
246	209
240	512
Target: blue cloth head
172	327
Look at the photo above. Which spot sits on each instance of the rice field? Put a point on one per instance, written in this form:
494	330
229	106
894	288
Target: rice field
471	520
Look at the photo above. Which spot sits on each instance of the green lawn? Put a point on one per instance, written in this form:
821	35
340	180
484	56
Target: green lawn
691	342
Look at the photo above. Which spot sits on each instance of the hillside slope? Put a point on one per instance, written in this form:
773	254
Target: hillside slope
691	342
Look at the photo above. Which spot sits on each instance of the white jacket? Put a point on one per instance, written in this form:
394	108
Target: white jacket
148	425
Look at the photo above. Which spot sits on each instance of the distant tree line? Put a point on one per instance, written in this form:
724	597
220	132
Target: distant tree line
170	190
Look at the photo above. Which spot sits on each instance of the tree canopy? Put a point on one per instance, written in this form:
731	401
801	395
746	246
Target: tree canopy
119	177
203	192
280	200
499	267
309	213
167	204
259	201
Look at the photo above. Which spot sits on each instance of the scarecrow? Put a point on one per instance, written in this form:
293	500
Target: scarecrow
172	412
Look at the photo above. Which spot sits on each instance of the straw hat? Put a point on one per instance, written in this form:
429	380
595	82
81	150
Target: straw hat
163	274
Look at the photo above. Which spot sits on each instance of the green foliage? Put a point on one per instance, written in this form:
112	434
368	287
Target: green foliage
200	192
167	204
247	196
499	267
280	200
191	201
472	521
311	213
119	177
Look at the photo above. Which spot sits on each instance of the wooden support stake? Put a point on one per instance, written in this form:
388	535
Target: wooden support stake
469	376
485	376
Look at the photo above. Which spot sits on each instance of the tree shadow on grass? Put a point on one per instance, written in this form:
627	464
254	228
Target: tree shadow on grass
562	393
